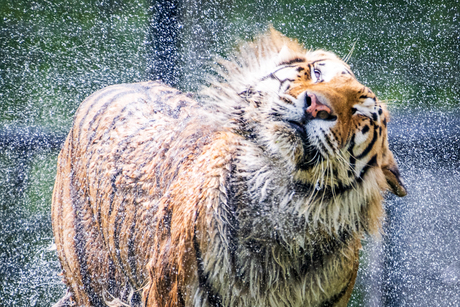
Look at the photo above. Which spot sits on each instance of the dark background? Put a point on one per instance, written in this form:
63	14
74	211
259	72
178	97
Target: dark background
53	54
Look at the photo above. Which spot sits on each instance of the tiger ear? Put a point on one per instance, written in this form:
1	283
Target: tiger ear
288	55
391	172
285	55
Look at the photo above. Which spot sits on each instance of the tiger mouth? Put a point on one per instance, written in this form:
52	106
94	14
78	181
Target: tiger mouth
300	128
312	155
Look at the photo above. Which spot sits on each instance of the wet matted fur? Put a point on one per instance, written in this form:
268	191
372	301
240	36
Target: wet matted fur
256	193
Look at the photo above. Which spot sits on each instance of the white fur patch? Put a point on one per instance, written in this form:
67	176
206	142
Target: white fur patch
361	137
284	55
366	108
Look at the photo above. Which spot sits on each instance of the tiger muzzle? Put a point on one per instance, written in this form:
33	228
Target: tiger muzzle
317	110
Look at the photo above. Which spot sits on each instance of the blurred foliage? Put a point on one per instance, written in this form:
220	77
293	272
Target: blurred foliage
53	54
28	266
408	52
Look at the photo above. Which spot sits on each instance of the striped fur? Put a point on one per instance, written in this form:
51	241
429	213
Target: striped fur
238	199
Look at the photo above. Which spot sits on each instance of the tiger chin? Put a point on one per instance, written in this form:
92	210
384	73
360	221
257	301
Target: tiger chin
257	192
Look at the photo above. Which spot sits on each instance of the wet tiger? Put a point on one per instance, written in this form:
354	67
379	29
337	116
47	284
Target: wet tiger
256	192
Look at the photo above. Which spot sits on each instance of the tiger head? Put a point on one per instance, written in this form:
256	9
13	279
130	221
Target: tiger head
311	108
310	114
341	120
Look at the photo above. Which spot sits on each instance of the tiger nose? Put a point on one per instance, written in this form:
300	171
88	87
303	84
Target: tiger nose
316	108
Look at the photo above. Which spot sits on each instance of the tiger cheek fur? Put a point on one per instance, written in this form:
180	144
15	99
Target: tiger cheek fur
257	194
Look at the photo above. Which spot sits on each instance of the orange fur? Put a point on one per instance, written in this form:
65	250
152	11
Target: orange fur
239	200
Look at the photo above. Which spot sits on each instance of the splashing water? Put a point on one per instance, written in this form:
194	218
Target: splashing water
54	54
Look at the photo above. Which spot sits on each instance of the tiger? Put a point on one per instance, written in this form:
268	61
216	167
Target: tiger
255	191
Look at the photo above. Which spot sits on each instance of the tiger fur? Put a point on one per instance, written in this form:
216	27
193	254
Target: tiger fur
256	193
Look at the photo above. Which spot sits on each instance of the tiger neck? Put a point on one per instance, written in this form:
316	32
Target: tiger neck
277	206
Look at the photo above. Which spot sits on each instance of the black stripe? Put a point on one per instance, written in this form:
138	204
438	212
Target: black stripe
115	120
119	219
374	117
292	61
349	173
80	248
328	141
335	136
135	87
147	294
336	298
350	151
160	99
80	237
181	298
372	162
233	225
98	208
341	188
101	111
131	253
112	285
286	66
329	191
114	190
321	146
136	299
97	96
365	129
90	139
123	144
165	223
319	60
322	253
369	146
213	298
352	144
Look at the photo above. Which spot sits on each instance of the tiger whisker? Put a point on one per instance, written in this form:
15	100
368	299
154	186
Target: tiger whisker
348	56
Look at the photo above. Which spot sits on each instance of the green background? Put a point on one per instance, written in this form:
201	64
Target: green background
55	53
